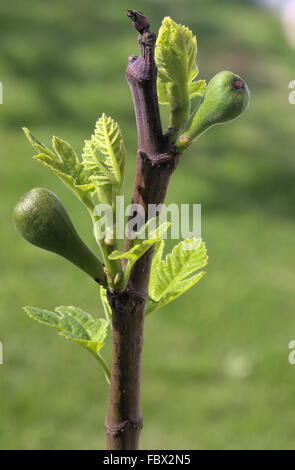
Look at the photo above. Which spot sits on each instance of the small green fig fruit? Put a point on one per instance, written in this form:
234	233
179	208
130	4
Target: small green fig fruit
42	220
226	97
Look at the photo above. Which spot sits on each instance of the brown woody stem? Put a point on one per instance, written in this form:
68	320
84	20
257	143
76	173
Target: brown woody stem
156	161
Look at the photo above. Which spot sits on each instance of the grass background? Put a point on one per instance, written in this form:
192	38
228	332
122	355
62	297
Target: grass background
215	365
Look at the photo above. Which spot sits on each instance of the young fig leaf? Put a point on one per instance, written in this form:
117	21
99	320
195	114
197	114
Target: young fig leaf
104	158
42	220
173	276
64	162
175	55
75	325
140	245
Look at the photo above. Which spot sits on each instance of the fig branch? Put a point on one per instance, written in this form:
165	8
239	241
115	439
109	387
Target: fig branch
138	280
156	161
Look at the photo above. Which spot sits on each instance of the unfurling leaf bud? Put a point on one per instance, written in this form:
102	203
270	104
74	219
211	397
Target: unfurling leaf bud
42	220
226	97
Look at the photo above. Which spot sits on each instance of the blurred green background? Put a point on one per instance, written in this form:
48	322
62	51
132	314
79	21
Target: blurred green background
215	366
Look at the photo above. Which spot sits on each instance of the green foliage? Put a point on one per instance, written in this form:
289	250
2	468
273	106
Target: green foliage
102	167
169	278
263	400
100	172
140	245
64	162
176	60
75	325
106	306
104	158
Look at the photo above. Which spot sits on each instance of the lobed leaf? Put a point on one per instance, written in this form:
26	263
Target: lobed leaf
64	162
170	277
75	325
176	51
141	245
104	158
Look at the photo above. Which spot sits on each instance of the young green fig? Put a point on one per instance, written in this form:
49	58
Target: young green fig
225	99
42	220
